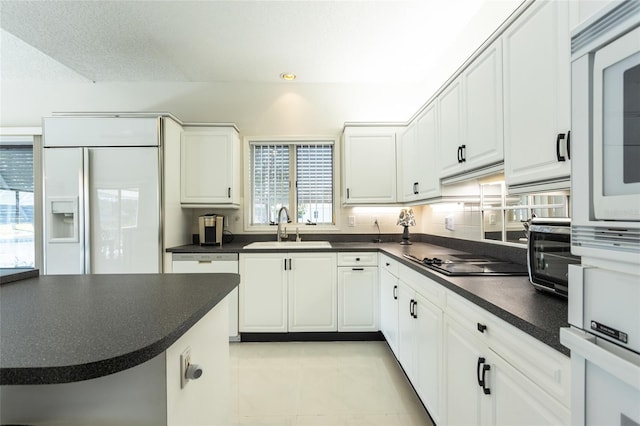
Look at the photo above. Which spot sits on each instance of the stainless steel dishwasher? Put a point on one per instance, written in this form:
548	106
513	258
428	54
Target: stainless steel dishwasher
212	263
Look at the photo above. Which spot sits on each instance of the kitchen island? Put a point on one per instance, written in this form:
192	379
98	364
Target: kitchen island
106	349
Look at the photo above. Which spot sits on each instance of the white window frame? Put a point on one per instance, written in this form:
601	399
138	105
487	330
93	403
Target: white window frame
248	190
36	134
503	208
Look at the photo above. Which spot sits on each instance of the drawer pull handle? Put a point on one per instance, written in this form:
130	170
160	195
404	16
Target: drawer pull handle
481	361
481	328
388	264
485	368
357	259
558	155
395	292
357	269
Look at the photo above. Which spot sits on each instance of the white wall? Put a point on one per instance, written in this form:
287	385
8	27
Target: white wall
257	109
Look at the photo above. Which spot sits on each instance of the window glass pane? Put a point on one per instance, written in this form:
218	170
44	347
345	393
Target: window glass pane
492	225
550	205
492	195
314	183
270	181
17	247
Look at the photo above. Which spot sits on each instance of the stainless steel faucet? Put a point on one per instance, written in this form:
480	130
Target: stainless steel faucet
281	235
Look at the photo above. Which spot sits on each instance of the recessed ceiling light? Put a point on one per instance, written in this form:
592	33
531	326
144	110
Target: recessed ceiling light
288	76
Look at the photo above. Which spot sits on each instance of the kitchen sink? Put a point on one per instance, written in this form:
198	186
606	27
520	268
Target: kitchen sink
288	245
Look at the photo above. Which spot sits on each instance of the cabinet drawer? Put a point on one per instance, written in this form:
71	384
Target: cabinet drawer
358	259
422	285
473	318
389	264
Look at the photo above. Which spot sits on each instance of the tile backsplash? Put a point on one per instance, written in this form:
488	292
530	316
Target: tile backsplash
463	220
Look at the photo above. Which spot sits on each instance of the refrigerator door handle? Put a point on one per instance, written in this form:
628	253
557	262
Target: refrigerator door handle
85	191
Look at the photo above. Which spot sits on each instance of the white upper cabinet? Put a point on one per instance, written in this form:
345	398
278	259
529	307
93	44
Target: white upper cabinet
408	162
418	158
451	126
210	167
536	97
482	109
471	123
369	165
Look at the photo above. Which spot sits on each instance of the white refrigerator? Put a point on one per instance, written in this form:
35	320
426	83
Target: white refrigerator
102	195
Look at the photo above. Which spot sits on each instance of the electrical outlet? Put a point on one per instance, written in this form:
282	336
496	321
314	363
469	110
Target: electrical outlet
448	223
352	221
185	360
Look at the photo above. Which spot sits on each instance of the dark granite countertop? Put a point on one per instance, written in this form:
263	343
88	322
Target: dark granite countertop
8	275
67	328
513	299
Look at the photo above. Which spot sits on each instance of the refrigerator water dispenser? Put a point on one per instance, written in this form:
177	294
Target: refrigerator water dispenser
63	224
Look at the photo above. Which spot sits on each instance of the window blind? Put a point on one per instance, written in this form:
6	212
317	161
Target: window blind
314	183
16	168
270	165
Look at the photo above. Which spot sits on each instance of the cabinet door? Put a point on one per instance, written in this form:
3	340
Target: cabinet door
537	94
389	308
407	351
428	337
263	293
358	299
409	163
209	174
516	400
462	393
427	154
313	292
451	125
483	109
369	166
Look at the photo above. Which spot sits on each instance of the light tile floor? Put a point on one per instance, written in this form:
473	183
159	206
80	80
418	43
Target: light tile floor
320	383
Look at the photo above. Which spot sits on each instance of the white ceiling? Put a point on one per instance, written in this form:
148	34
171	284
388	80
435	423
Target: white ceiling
237	41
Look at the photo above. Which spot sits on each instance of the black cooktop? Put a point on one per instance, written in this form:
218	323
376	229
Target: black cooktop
470	265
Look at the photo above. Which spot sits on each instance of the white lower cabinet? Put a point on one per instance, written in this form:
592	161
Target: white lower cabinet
420	343
358	294
481	387
358	299
313	295
516	400
282	292
468	366
263	293
462	352
389	301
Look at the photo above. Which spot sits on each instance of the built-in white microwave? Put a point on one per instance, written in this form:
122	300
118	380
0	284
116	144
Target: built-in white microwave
605	124
616	129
